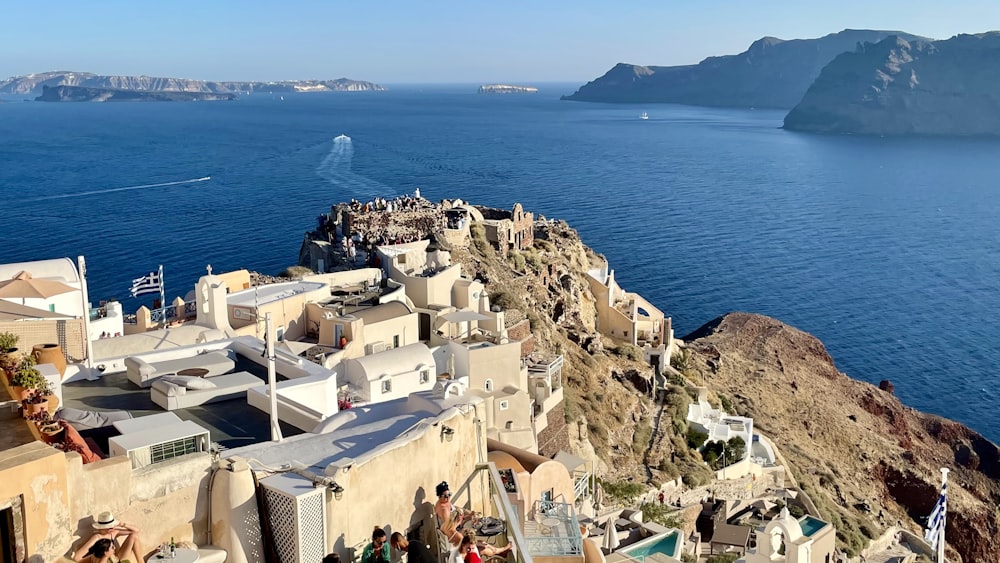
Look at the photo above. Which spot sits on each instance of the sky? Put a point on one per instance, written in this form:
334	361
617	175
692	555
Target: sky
432	41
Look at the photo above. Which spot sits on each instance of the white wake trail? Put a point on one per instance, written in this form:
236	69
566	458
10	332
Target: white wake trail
125	189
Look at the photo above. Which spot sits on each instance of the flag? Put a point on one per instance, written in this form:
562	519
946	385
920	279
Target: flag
935	523
150	283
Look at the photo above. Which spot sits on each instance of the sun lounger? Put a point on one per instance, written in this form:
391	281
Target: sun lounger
172	394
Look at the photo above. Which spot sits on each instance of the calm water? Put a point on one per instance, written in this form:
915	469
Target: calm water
888	250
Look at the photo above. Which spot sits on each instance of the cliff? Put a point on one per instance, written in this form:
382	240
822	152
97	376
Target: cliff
772	73
82	94
899	87
506	89
867	461
33	84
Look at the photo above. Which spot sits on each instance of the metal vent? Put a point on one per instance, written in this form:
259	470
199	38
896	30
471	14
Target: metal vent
298	518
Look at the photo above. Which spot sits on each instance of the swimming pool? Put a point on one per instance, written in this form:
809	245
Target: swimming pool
667	544
811	525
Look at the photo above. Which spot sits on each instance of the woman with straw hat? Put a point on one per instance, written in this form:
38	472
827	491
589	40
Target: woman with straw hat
103	546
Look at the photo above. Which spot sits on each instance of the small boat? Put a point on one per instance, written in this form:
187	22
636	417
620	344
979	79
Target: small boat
341	139
282	98
644	116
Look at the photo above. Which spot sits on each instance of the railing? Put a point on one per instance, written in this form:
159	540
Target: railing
190	308
581	489
501	508
163	314
559	529
98	313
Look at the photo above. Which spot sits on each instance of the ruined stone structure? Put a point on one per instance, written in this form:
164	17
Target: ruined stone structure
509	230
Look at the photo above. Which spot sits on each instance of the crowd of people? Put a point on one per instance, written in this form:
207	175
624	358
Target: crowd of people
453	527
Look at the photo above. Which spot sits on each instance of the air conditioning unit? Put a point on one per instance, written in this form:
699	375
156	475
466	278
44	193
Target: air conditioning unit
297	509
155	445
375	348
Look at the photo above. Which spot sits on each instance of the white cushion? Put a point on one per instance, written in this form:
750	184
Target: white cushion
188	381
169	388
199	383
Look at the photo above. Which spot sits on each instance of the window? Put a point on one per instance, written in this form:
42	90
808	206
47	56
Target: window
425	376
509	425
504	405
488	385
386	385
395	341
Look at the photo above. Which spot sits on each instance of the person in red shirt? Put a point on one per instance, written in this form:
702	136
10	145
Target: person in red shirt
465	549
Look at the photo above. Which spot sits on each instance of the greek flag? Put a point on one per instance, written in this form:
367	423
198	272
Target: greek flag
935	524
150	283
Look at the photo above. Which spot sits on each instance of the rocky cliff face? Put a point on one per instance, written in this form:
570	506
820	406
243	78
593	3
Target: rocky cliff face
82	94
772	73
852	445
33	84
899	86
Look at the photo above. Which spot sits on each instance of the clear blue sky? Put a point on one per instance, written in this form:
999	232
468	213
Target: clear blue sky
405	41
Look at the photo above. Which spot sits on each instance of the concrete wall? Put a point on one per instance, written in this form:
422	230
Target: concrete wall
287	314
402	383
407	328
237	280
501	363
58	496
35	475
378	492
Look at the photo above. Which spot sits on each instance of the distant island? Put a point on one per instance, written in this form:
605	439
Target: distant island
34	84
772	73
506	89
902	86
83	94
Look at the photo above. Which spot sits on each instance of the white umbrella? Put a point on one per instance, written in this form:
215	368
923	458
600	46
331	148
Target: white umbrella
611	540
464	317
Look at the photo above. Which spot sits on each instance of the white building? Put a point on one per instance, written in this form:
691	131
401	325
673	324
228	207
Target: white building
388	375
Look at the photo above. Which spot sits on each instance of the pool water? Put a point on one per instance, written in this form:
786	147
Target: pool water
666	545
811	525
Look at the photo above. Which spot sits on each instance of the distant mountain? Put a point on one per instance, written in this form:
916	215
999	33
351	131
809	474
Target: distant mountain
899	86
772	73
33	83
506	89
84	94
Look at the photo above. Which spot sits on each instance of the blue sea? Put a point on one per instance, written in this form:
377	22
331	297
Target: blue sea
886	249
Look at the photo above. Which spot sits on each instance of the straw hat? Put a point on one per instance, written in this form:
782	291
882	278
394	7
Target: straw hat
104	520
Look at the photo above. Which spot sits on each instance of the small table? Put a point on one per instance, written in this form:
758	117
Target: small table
184	555
193	372
549	525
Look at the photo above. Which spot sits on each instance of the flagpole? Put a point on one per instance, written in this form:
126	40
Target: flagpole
271	379
944	516
163	297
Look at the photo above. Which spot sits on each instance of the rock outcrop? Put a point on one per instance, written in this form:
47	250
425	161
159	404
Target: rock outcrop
772	73
83	94
899	87
849	443
33	84
506	89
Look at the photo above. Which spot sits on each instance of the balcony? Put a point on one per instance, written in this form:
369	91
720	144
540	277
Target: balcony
553	530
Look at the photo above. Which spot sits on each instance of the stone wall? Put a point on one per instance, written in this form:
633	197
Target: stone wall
555	437
522	332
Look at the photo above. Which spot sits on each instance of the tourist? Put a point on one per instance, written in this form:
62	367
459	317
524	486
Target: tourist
103	545
331	558
378	550
416	552
467	549
450	520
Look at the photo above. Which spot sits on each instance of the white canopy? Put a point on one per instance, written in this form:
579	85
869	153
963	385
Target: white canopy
611	539
464	316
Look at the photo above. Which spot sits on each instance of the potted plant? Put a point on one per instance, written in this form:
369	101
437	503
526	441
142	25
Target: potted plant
8	353
26	378
35	403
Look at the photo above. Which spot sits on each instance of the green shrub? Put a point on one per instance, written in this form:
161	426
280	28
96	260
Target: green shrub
723	558
640	439
696	438
625	491
296	272
662	514
478	233
727	405
517	260
681	361
8	340
504	300
534	260
629	351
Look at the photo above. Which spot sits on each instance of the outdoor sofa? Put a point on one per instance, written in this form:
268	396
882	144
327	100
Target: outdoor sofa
142	371
178	392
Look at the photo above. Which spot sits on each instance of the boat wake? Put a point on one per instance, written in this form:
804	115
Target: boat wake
336	169
125	189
